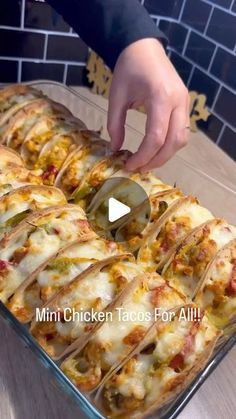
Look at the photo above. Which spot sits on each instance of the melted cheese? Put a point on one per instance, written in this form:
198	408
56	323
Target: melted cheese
138	304
41	244
195	212
97	286
222	234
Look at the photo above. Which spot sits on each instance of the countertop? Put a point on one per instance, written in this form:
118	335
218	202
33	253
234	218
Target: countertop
26	389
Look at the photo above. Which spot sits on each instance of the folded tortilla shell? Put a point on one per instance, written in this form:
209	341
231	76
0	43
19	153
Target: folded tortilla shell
190	259
168	231
159	367
98	174
112	341
42	131
133	233
216	291
9	157
20	202
93	289
78	163
34	240
20	124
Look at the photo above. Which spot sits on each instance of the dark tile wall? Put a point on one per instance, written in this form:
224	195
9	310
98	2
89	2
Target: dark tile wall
35	42
202	47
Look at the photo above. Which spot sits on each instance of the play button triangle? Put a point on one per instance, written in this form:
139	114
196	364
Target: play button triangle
116	209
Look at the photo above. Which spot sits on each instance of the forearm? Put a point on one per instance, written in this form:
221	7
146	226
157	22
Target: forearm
108	26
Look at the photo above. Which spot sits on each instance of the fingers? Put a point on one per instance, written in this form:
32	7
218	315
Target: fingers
177	137
117	110
156	130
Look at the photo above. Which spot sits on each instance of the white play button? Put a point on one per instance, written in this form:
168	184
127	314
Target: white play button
116	209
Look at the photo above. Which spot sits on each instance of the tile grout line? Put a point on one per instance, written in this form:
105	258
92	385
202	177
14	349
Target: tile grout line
230	51
19	71
41	60
190	75
182	11
22	19
207	38
40	31
65	73
216	98
212	58
220	134
169	19
45	47
217	6
186	42
207	73
208	20
228	124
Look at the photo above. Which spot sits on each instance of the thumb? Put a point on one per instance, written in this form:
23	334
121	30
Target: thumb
117	110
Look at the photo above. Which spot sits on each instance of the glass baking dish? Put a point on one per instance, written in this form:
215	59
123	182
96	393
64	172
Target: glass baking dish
221	200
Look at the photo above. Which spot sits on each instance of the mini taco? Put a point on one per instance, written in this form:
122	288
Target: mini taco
179	219
14	98
216	292
97	175
132	315
138	223
78	163
190	259
92	291
20	202
55	152
9	158
56	272
15	93
43	131
15	176
34	240
165	362
21	123
150	184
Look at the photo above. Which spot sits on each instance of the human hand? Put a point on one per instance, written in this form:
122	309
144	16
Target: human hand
144	75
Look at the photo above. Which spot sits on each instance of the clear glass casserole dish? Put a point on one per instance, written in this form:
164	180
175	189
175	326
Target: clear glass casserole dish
220	199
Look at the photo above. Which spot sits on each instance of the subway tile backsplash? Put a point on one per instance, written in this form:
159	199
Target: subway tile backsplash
202	83
222	28
226	106
183	66
168	8
65	48
200	50
15	43
227	142
176	33
7	16
224	67
196	14
48	71
8	71
35	42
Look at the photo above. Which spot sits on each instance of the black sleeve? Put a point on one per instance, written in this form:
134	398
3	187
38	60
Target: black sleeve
108	26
